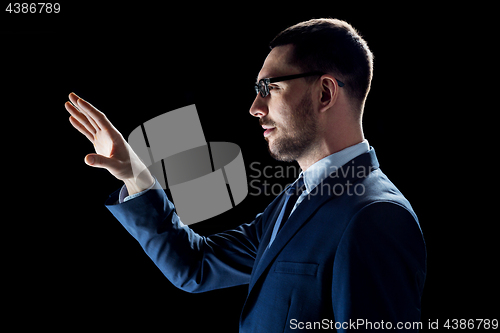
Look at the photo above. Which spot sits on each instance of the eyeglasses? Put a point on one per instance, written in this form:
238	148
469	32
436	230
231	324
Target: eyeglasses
262	86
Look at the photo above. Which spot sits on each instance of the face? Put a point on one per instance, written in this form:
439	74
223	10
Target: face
286	114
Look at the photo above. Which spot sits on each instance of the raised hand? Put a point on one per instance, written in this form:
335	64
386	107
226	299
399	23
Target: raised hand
112	151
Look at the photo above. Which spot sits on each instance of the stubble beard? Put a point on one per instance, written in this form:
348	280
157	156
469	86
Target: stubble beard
296	137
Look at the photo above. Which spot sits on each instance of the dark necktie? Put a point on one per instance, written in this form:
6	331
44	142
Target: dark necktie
292	194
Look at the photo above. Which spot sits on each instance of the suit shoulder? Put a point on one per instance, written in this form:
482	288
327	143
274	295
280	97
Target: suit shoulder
374	188
384	212
377	188
383	226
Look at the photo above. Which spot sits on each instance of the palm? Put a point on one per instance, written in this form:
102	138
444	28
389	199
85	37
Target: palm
111	145
103	144
107	141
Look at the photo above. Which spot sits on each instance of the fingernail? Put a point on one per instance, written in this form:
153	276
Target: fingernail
89	160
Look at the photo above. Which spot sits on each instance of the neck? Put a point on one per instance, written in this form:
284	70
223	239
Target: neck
326	145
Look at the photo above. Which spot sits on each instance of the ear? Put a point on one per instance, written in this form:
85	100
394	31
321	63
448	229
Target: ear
329	92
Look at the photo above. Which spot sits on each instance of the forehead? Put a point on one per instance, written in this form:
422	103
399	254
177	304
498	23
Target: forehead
277	63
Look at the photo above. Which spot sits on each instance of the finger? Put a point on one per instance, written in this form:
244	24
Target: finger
99	161
76	124
74	99
82	118
90	119
95	114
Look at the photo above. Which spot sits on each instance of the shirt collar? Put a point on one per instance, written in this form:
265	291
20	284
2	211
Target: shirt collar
324	167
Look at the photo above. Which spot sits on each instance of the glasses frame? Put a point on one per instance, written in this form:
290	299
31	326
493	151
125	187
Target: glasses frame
262	86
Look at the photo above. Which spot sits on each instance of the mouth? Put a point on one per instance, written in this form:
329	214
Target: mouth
268	130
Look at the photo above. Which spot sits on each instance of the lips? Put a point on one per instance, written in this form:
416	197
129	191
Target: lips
268	130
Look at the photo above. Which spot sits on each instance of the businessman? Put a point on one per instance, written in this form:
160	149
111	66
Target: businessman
341	248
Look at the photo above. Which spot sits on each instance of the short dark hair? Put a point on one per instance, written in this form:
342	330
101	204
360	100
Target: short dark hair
331	46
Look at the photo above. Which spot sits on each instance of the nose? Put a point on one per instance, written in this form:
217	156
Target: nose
259	107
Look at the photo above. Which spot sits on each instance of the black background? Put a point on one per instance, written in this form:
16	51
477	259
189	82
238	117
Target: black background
70	264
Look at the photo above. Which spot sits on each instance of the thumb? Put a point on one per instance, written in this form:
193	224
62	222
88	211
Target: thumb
98	161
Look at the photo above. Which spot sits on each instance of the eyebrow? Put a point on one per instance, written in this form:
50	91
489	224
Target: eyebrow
296	76
268	77
264	77
291	77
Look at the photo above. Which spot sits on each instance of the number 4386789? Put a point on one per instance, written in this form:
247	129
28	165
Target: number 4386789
33	8
462	324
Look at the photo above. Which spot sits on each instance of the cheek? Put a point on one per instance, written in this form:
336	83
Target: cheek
280	111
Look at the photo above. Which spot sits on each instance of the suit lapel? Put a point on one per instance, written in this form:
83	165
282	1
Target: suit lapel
273	216
336	184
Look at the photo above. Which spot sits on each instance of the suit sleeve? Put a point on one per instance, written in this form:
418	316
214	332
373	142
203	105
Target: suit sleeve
191	262
379	269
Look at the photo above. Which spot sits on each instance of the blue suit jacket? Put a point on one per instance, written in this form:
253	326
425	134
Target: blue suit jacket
353	250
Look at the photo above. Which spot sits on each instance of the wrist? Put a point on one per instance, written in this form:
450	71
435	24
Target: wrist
138	184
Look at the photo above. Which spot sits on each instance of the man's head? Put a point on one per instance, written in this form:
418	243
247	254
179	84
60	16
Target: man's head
331	46
299	112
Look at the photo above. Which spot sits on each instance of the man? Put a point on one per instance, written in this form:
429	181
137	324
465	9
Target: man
340	249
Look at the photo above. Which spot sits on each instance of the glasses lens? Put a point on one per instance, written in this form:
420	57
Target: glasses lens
263	88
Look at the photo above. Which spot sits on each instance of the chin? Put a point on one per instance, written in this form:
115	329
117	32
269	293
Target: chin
278	153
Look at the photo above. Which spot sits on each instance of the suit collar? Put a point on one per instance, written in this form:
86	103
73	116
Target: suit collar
334	185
